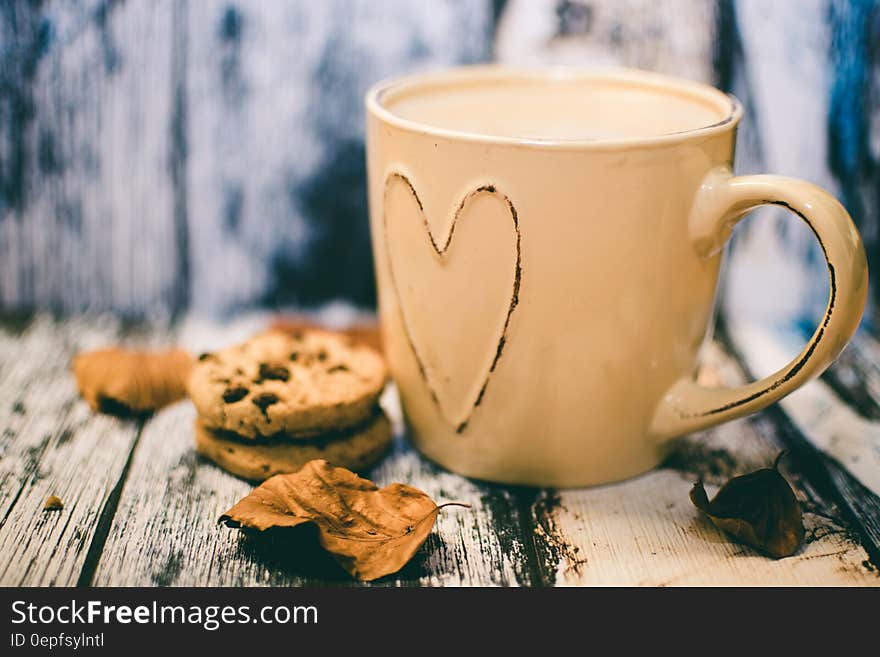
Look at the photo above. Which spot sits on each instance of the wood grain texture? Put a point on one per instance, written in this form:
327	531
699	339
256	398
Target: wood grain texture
141	507
775	273
90	219
842	433
855	375
52	444
674	37
165	529
646	532
149	149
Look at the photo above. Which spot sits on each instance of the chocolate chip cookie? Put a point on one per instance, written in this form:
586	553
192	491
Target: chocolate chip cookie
298	384
356	448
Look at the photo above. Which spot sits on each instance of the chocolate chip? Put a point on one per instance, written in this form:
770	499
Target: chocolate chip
234	394
322	355
338	368
294	356
264	401
205	356
273	372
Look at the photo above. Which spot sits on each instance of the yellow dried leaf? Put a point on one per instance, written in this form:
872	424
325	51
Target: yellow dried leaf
370	531
53	503
127	382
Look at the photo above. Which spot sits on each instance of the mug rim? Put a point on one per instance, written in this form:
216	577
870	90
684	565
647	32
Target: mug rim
665	83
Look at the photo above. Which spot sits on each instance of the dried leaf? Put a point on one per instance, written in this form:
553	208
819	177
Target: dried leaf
370	531
125	382
53	503
758	509
365	333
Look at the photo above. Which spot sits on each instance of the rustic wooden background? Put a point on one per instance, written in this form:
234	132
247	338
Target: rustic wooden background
163	156
141	507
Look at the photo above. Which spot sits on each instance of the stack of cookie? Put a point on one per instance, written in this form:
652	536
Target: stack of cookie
274	403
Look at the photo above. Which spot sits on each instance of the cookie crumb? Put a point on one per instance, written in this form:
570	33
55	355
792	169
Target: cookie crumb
53	503
128	383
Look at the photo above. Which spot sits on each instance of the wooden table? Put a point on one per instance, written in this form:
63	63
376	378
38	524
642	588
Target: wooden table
141	508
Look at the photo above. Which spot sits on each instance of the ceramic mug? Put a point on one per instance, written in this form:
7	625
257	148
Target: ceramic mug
547	246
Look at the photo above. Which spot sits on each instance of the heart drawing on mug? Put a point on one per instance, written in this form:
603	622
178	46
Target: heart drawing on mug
473	287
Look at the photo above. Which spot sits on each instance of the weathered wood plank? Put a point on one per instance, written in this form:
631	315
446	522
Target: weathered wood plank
88	219
276	155
776	273
165	530
855	376
52	444
674	37
647	532
147	147
842	433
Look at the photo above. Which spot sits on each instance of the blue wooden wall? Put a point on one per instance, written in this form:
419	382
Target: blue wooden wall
160	156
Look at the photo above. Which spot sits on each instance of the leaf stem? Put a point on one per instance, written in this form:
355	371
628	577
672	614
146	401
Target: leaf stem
465	505
779	458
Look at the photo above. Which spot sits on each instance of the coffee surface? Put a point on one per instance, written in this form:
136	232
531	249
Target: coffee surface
557	109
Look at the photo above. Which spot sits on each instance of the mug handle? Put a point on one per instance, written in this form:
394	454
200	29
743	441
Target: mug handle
724	199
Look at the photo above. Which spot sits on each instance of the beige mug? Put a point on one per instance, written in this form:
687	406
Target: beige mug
547	246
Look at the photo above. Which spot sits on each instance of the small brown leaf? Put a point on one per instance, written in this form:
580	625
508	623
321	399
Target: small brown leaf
758	509
53	503
370	531
125	382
